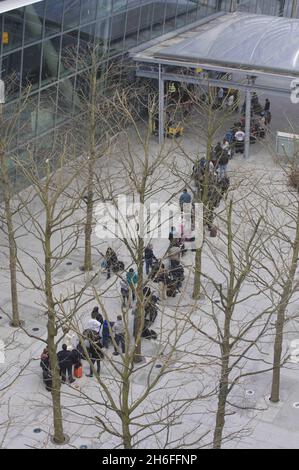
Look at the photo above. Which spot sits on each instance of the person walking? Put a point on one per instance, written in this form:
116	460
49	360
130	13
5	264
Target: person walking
119	334
149	258
65	359
132	280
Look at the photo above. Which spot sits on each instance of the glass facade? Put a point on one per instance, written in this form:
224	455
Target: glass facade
36	38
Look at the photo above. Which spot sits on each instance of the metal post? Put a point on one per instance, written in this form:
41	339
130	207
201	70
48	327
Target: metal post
294	9
161	106
247	124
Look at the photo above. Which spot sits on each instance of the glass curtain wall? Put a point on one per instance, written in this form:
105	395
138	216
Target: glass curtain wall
36	40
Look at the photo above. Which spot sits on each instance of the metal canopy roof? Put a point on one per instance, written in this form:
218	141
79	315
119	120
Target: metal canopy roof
243	41
261	45
8	5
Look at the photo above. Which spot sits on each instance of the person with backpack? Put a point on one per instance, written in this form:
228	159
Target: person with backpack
65	359
119	334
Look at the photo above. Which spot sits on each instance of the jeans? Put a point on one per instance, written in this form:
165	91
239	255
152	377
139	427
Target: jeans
98	361
148	265
120	339
223	170
69	371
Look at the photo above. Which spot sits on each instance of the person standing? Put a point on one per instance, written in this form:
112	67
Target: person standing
95	355
185	198
119	334
132	280
149	258
267	105
111	260
223	163
65	359
124	290
161	278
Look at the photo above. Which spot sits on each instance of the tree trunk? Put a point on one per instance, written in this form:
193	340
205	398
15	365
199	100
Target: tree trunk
88	221
58	437
127	438
281	313
221	408
12	244
139	318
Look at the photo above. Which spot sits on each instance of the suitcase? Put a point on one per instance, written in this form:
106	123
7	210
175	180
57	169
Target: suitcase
78	372
213	232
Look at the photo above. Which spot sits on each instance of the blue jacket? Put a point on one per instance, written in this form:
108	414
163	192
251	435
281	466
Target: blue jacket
185	198
132	279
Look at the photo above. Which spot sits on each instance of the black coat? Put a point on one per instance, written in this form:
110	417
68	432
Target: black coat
65	359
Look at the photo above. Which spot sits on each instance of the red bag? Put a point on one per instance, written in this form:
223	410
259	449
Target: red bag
78	372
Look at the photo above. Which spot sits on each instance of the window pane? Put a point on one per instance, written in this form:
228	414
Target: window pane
34	17
50	63
88	10
47	107
103	35
27	121
145	23
71	14
69	53
117	33
13	26
104	8
11	74
65	99
119	5
53	16
31	65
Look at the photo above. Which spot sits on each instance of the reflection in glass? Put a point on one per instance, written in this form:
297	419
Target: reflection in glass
13	26
71	14
53	17
31	66
88	10
34	17
47	107
50	61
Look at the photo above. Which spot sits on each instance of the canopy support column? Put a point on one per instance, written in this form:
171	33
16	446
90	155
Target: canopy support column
247	124
161	106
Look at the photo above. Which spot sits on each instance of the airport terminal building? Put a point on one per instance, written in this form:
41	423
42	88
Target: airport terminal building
36	33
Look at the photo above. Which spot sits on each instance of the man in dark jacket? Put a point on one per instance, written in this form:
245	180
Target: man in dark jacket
65	359
223	162
149	257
